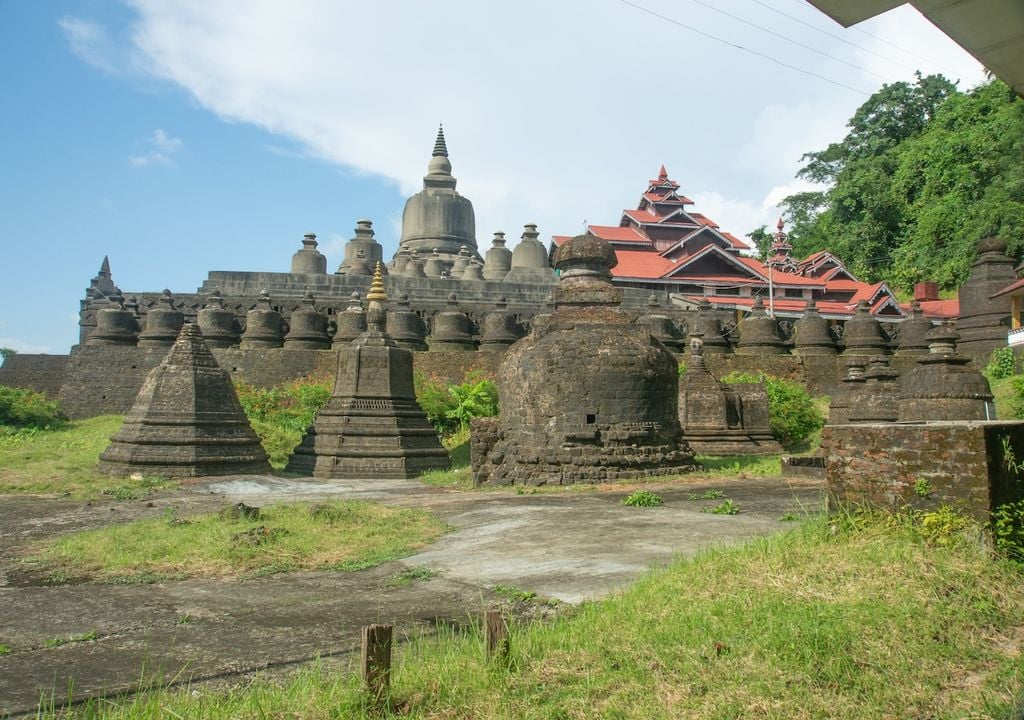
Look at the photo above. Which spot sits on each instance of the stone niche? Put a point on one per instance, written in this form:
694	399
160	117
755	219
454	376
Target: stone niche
974	466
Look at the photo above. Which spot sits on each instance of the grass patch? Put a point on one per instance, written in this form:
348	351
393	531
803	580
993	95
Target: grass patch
460	476
5	649
832	619
733	465
410	575
1005	396
296	536
63	461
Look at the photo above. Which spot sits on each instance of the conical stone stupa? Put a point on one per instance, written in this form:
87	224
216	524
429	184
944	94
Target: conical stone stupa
186	420
372	427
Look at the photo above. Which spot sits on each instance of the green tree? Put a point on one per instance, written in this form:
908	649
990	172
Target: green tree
6	353
762	240
924	172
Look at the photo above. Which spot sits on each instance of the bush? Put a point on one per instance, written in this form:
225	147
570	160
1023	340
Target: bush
1017	396
1007	526
1000	364
449	408
21	408
791	411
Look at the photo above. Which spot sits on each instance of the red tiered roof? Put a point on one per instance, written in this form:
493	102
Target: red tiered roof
661	211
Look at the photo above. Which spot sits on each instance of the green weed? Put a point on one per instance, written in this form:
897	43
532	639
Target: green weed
726	507
59	641
410	575
643	498
707	495
513	593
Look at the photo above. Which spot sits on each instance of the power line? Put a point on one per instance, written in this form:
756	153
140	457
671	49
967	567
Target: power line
840	38
754	25
743	48
804	3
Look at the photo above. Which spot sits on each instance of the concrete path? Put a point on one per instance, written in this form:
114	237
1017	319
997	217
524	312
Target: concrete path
570	546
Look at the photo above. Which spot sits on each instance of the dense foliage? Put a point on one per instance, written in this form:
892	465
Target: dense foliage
21	408
449	408
791	410
924	172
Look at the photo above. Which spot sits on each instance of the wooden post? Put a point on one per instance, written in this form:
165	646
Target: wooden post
495	634
376	660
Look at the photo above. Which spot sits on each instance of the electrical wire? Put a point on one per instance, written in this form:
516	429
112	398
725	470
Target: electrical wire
805	4
840	38
799	44
742	47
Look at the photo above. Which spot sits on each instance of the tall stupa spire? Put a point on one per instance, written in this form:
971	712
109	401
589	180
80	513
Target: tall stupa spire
440	148
437	220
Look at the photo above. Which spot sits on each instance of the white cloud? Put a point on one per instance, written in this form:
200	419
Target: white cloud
89	41
903	34
547	121
162	149
22	346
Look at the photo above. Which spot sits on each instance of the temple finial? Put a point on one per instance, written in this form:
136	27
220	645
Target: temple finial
105	267
663	173
440	148
377	292
780	224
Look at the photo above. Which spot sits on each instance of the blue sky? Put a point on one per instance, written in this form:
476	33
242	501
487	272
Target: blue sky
182	137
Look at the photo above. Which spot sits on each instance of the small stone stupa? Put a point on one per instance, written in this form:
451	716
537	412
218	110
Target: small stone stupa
372	427
944	386
186	420
720	419
589	395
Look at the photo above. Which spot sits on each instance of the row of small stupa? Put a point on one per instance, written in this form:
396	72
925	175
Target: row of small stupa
187	420
942	386
310	329
306	328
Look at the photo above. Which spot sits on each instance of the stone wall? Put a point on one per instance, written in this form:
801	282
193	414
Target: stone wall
970	465
43	373
105	380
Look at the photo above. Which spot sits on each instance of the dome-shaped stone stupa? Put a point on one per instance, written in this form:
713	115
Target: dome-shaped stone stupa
588	395
437	216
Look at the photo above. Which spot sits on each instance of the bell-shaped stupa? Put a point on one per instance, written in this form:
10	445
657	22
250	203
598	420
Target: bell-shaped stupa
589	395
437	216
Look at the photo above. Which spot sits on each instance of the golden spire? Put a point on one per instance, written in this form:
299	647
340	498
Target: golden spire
377	292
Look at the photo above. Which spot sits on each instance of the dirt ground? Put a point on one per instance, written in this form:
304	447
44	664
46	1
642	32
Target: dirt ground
571	546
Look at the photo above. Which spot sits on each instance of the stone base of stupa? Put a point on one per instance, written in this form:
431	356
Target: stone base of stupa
362	438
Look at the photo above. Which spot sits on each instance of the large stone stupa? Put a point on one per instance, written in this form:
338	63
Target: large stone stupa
437	217
589	395
186	420
372	427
